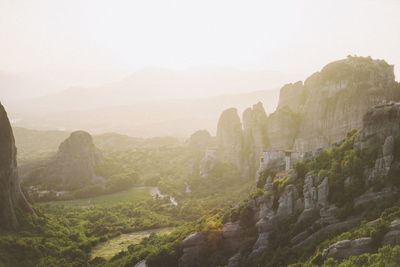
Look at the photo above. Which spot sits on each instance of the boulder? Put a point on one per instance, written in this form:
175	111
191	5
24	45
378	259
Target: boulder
392	237
344	249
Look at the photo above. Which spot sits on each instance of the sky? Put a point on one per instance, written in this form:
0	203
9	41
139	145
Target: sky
87	42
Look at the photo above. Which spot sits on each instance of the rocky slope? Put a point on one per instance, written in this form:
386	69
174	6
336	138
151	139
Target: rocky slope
71	167
12	197
314	205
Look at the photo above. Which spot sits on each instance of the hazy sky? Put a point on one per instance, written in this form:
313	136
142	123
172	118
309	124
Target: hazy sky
83	41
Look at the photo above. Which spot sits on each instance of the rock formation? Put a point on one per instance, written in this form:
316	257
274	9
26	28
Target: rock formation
255	136
346	248
330	103
200	140
379	123
192	247
392	237
312	115
230	138
231	236
71	168
12	198
347	94
207	163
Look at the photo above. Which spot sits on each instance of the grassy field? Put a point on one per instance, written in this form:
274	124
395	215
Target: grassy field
119	243
135	194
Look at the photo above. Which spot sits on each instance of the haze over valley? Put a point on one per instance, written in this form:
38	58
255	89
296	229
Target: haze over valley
199	133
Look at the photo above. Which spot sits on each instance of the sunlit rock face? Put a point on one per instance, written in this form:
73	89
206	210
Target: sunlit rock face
72	166
333	101
230	138
11	196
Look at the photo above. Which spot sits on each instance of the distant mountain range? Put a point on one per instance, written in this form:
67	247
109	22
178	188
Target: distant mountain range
152	102
159	118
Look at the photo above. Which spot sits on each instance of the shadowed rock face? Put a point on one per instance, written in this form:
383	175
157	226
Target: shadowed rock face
11	196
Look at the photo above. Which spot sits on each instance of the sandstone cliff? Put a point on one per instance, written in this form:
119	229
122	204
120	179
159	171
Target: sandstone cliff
12	198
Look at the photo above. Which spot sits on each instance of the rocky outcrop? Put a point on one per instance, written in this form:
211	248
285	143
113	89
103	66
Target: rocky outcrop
71	168
192	247
231	236
344	249
288	202
392	237
379	123
371	197
207	163
11	195
200	140
230	138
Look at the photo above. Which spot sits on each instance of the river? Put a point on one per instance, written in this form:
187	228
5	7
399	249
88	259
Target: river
116	244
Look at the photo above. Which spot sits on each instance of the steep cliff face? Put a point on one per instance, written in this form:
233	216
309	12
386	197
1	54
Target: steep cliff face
72	166
282	128
333	101
11	196
255	136
309	116
230	138
292	95
379	123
